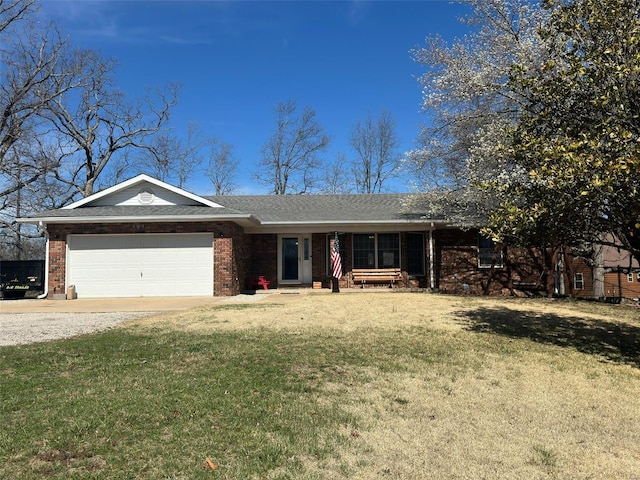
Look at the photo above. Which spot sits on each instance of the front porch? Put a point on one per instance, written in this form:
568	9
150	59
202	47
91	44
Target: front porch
294	261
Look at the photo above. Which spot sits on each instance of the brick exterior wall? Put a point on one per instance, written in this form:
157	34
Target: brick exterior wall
263	258
524	270
456	265
230	249
238	257
230	259
319	252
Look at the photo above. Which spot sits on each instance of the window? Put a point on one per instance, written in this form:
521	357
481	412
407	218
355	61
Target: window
630	277
486	252
305	247
364	251
578	281
415	254
376	250
388	250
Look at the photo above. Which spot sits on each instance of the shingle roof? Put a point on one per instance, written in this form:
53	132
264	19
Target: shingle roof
322	208
260	209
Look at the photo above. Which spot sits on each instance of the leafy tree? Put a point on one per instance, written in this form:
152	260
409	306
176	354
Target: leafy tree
376	145
576	144
290	160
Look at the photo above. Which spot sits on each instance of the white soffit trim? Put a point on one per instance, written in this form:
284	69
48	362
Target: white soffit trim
241	219
136	180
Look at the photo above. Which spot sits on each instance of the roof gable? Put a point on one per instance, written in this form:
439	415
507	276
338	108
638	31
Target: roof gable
142	191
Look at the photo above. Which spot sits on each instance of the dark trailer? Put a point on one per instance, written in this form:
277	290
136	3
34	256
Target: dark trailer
18	277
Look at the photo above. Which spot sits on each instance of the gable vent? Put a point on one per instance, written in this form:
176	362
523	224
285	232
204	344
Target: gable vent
145	197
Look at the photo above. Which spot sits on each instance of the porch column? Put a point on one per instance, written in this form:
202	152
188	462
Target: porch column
432	275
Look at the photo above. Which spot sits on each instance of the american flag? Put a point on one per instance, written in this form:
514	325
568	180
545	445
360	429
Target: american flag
336	262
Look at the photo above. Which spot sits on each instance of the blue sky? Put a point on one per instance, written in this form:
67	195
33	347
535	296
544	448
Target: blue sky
237	60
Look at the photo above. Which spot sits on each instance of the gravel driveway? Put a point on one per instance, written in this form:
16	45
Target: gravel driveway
21	328
29	321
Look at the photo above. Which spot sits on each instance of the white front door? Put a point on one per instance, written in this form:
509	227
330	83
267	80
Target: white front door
294	259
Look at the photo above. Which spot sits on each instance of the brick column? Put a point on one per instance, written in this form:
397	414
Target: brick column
57	263
224	283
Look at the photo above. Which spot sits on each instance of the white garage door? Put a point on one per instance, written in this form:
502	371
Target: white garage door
143	265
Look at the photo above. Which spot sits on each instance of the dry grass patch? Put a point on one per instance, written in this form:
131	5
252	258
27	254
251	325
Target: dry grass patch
465	387
300	311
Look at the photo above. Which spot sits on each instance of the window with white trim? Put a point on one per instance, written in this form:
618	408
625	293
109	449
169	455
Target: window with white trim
578	281
376	250
630	277
488	256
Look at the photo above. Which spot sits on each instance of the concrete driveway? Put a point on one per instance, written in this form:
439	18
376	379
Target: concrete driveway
106	305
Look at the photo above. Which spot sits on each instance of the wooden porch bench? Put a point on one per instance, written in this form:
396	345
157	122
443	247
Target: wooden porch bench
376	275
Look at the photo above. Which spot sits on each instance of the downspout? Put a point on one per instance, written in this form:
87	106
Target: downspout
432	275
46	263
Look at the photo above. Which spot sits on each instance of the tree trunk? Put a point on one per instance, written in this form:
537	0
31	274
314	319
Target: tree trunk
598	272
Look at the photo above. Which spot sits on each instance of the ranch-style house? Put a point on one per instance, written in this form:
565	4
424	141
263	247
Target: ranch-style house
144	237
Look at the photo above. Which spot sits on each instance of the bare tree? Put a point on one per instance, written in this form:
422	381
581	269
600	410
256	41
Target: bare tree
222	167
35	70
191	153
34	73
290	157
18	198
376	145
12	11
160	158
170	159
96	121
337	178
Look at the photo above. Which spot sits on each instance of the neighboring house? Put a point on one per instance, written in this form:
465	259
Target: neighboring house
621	274
144	237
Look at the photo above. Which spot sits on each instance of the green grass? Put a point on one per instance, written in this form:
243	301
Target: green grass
128	405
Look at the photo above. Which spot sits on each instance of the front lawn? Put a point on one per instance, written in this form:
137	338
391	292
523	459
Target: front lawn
326	386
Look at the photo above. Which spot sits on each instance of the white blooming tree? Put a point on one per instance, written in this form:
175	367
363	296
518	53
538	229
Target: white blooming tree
471	107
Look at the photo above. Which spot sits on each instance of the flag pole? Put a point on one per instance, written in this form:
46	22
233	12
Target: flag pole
336	264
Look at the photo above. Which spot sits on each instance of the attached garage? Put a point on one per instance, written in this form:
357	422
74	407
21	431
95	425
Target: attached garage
140	265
